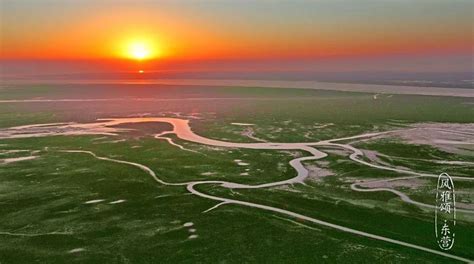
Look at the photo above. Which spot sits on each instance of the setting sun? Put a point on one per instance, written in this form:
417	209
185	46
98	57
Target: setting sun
140	50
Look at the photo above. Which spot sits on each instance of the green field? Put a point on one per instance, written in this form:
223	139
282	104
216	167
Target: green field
46	217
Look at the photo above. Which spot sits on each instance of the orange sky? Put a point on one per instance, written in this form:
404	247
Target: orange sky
204	30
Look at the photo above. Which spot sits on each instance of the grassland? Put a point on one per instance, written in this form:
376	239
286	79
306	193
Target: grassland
46	216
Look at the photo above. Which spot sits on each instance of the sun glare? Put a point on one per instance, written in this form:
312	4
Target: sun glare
140	50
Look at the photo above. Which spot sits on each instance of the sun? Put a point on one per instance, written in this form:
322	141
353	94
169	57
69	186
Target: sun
140	50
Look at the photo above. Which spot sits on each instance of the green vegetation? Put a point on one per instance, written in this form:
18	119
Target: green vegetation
71	207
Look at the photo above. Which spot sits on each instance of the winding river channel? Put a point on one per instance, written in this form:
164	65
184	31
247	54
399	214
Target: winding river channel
182	129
